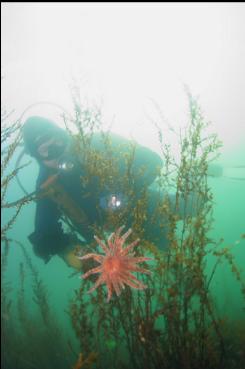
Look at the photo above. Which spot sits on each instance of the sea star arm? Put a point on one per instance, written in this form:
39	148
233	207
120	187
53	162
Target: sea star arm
92	271
102	245
96	257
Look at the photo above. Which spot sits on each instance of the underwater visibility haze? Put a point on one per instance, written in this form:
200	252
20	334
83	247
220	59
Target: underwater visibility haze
177	302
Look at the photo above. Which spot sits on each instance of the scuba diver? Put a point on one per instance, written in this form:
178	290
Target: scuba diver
84	200
83	204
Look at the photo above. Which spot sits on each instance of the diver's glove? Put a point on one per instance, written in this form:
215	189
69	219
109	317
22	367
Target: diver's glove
70	256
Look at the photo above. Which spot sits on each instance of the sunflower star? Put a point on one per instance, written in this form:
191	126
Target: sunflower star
117	264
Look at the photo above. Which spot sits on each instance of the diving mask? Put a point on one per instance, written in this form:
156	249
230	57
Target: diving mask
50	148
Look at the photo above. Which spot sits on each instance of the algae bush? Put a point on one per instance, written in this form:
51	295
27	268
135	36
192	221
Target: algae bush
172	324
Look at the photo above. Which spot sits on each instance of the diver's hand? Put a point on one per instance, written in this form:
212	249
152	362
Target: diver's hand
70	256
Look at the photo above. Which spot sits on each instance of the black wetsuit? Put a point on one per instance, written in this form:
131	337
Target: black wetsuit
49	237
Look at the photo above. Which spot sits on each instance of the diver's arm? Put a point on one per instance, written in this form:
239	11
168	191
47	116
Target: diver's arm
48	237
146	164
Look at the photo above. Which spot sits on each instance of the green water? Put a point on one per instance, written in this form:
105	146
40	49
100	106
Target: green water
229	224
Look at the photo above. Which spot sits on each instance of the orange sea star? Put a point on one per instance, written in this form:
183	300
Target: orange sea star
117	264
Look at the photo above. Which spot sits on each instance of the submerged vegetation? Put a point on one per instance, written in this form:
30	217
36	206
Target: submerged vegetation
30	339
174	322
